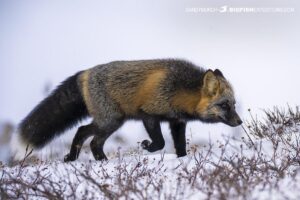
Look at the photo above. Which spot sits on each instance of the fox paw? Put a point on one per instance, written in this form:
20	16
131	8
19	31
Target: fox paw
151	146
101	156
69	158
145	144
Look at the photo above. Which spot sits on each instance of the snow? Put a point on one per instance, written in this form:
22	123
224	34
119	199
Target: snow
236	167
146	171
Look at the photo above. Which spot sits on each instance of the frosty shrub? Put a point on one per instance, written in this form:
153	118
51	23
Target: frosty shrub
262	163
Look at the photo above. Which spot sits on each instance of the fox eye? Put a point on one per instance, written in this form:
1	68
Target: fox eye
224	106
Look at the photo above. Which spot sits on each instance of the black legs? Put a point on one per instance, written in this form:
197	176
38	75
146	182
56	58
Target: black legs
153	128
177	130
178	134
82	134
100	133
99	139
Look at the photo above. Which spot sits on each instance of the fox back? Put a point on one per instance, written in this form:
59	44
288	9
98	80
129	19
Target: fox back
164	88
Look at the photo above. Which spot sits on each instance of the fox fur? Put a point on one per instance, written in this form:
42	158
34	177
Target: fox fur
153	91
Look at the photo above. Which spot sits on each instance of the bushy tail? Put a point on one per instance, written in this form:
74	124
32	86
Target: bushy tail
62	109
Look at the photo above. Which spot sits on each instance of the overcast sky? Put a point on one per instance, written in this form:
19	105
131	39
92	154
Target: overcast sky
44	42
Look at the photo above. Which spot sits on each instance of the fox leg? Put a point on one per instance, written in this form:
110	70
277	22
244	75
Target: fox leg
82	134
105	130
153	128
178	134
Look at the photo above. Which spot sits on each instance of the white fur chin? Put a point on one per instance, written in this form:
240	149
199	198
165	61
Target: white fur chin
18	147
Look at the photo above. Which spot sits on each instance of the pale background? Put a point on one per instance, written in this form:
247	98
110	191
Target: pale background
44	42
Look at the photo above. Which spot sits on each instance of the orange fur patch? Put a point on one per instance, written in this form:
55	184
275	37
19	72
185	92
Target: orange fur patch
206	100
186	101
84	78
145	96
202	105
149	88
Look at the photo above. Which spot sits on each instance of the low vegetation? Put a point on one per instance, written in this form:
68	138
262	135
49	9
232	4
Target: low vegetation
262	163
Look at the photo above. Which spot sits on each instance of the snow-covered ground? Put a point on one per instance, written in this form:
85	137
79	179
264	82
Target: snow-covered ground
158	176
263	163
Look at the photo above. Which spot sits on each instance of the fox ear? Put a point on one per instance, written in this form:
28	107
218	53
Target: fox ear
210	83
217	72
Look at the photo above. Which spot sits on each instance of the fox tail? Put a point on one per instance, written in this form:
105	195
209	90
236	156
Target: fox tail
61	110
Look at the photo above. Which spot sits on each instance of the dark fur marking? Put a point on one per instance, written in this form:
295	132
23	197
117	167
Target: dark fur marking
185	75
217	72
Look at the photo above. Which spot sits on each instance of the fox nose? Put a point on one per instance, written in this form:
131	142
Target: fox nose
239	121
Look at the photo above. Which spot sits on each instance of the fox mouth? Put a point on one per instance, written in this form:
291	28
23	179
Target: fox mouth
231	123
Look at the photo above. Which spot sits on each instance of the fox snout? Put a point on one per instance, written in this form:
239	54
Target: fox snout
235	122
233	119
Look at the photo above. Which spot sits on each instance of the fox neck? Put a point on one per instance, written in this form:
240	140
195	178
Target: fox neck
186	102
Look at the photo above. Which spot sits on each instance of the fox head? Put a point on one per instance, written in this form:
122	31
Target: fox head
217	102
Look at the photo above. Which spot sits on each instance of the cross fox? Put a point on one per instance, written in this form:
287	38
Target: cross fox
153	91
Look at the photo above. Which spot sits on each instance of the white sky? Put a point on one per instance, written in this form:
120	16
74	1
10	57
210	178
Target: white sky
47	41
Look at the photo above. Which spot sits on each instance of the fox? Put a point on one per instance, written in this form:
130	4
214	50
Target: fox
152	91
